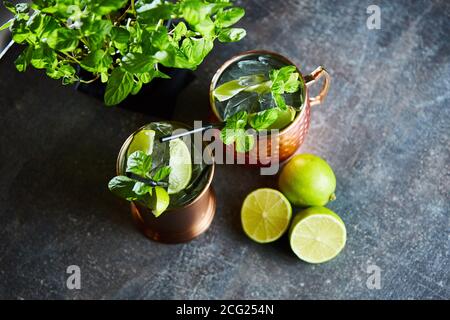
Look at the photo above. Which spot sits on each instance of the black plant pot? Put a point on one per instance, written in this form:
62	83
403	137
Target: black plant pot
158	98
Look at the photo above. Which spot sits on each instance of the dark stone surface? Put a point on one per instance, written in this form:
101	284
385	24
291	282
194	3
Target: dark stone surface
384	128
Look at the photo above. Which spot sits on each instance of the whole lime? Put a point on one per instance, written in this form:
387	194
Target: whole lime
307	180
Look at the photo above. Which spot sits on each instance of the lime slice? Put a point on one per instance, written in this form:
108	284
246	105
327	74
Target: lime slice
228	90
265	215
285	117
252	83
317	235
159	201
180	166
142	141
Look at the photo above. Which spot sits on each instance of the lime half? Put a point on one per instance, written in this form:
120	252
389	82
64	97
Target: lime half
180	166
317	235
142	141
265	215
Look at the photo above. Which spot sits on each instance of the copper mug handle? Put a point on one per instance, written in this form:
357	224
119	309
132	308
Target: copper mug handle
312	78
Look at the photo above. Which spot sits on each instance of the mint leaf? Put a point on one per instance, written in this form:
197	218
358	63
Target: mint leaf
229	17
279	101
123	187
24	59
96	62
244	141
7	24
119	87
141	188
62	40
232	34
137	62
139	163
161	173
102	7
233	128
263	119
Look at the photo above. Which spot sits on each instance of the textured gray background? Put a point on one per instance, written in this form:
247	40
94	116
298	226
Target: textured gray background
384	128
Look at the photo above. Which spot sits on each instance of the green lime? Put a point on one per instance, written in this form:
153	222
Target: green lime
307	180
142	141
265	215
159	201
285	117
180	166
228	90
317	234
252	83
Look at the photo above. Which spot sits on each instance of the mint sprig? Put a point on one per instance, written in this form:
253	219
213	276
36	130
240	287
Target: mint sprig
136	189
283	80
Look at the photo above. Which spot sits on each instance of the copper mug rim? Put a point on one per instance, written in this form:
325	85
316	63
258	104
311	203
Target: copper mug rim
125	145
237	57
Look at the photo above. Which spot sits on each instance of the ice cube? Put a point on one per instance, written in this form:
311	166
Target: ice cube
244	101
294	100
266	102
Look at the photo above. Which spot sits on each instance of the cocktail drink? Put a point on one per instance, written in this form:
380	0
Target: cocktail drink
168	183
264	93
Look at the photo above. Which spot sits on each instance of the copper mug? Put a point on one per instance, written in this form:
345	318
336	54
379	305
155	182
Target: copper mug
174	225
286	142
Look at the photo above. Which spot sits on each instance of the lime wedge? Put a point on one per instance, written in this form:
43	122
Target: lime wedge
180	166
142	141
265	215
252	83
285	117
228	90
317	235
159	201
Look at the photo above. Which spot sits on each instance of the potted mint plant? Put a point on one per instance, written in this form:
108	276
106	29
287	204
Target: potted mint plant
122	44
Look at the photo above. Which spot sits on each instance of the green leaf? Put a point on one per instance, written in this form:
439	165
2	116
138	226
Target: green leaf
63	40
196	50
244	141
263	119
24	59
232	34
161	173
150	12
96	62
292	84
229	17
103	7
179	31
279	101
196	11
137	62
139	163
234	126
119	87
20	31
7	24
120	37
123	187
64	70
8	5
44	57
137	86
141	188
